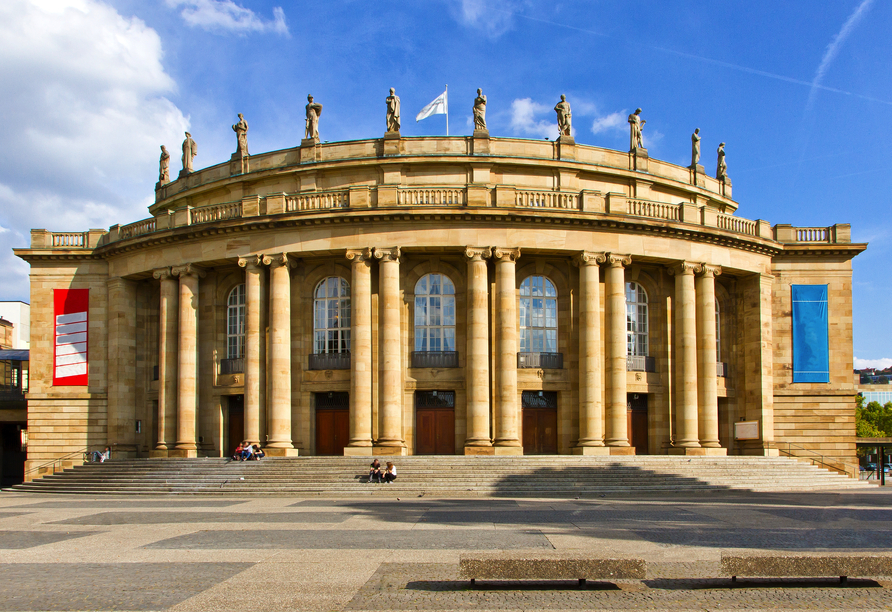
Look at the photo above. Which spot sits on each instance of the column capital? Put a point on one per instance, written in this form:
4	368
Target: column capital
589	258
250	261
478	253
274	260
502	254
684	268
616	260
359	256
388	254
710	270
162	273
188	270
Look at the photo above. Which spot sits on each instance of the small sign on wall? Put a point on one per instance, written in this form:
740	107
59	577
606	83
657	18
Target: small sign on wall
746	430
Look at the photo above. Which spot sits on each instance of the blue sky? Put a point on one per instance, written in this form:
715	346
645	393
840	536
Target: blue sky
803	98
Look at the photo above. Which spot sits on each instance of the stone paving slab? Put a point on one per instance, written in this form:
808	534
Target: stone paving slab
73	502
156	518
29	539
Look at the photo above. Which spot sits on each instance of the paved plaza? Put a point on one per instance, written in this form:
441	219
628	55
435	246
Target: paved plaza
202	554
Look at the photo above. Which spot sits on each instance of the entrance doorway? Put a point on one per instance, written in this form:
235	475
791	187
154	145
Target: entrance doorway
637	415
12	453
332	422
235	431
539	422
435	422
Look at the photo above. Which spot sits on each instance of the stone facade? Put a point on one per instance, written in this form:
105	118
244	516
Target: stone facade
204	318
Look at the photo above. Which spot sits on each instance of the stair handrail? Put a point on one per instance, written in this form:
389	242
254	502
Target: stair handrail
831	462
53	463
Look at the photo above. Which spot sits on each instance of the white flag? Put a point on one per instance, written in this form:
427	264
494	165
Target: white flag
437	107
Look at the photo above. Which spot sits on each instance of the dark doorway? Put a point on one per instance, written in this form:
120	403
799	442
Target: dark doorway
12	454
435	422
637	412
539	422
236	416
332	422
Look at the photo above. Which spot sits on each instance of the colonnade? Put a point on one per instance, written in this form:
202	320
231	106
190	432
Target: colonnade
602	429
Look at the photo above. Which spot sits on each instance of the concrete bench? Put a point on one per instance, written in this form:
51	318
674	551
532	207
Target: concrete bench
766	564
548	566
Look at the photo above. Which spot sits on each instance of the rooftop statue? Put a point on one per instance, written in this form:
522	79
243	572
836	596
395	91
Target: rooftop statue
190	150
393	112
637	124
563	116
721	171
695	148
314	109
241	131
164	166
480	111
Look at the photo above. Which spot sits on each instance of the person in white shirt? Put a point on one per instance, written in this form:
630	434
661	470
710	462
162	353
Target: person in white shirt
390	473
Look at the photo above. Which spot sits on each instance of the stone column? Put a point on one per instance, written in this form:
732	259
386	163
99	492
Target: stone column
686	428
279	444
187	362
478	439
391	369
591	409
122	366
253	270
168	311
707	395
360	354
507	441
615	349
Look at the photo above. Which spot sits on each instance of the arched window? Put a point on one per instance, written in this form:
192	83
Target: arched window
538	315
331	316
434	314
636	320
235	323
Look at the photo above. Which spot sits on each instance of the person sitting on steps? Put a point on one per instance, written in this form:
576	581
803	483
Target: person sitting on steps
258	453
390	473
375	472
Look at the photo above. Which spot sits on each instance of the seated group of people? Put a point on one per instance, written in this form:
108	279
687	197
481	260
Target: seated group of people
245	451
377	474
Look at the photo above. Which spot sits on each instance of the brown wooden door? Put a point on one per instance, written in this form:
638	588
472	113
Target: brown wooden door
539	422
637	419
332	431
236	429
435	431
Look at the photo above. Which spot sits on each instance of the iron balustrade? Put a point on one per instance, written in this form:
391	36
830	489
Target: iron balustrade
434	359
640	363
330	361
232	366
545	361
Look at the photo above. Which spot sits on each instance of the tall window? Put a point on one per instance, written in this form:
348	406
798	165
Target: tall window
718	334
636	320
331	316
434	313
538	315
235	323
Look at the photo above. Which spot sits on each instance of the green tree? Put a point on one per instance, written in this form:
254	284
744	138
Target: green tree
873	420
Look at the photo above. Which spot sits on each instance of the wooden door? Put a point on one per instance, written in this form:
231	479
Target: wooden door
332	422
236	417
435	431
539	422
637	419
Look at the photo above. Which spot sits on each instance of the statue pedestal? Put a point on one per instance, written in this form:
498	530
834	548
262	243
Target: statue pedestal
566	147
183	174
698	175
480	142
725	186
309	150
391	144
238	164
638	159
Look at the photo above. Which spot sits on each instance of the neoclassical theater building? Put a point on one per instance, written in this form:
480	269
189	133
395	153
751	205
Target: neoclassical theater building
442	295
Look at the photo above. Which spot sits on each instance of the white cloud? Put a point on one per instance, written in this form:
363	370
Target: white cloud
524	121
611	122
82	96
879	364
227	16
493	17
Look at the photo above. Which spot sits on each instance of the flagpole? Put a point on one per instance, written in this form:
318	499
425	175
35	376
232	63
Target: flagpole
447	109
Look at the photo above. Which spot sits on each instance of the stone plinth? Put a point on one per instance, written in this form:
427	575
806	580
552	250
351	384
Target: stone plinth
638	159
309	150
594	450
480	142
566	147
238	164
391	143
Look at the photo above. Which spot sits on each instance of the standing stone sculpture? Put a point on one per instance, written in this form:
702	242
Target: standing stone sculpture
241	131
480	111
563	116
721	171
314	109
636	123
190	150
393	112
164	167
695	148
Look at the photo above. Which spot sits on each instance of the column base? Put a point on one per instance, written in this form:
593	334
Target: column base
159	454
591	450
622	450
691	451
488	451
391	451
507	451
358	451
281	452
182	453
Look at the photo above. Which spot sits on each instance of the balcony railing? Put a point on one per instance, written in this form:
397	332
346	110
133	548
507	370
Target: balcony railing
545	361
232	366
330	361
434	359
721	369
640	363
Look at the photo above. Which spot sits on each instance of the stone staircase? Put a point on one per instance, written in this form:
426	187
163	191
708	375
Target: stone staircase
443	476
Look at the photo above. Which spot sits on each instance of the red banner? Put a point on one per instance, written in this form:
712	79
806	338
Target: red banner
70	307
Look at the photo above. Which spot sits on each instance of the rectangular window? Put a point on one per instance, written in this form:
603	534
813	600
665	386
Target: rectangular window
811	350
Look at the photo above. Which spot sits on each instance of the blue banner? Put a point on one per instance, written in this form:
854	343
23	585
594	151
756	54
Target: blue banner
811	343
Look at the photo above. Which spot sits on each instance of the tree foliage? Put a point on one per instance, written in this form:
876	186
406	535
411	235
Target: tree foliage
873	420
